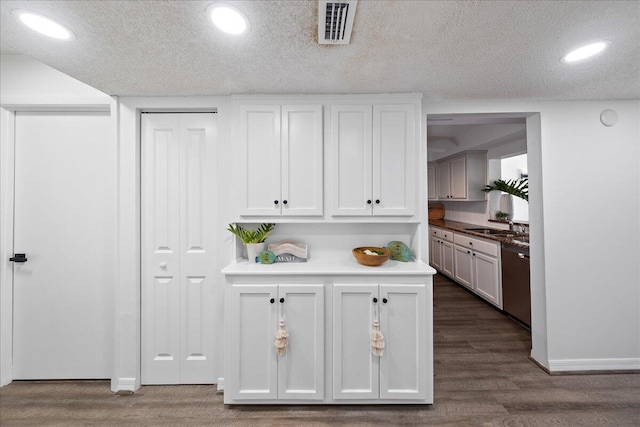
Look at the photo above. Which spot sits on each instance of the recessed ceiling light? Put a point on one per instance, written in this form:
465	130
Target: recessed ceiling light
43	25
228	18
585	52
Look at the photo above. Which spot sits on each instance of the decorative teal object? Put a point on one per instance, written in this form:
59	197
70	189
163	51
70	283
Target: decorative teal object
400	251
267	257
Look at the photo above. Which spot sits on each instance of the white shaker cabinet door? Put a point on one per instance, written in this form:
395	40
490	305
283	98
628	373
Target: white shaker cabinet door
444	180
463	266
458	178
302	151
355	367
351	160
432	181
259	139
435	253
252	366
394	160
447	258
301	367
403	365
487	278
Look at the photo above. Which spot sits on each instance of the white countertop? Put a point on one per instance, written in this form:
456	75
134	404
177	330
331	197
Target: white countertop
341	266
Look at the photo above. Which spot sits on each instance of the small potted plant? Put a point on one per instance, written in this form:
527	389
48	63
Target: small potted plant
252	239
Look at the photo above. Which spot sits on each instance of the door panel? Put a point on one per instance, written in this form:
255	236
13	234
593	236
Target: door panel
302	152
252	367
393	160
65	223
160	248
259	138
487	273
403	366
301	368
463	266
351	152
355	367
459	178
178	208
447	258
435	253
444	180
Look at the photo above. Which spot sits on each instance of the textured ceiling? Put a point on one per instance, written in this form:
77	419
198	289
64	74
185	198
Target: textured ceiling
447	50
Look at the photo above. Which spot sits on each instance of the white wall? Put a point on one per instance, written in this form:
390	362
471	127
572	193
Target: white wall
28	85
27	81
586	256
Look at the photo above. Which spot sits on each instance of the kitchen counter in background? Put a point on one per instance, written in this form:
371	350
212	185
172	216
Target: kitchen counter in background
517	239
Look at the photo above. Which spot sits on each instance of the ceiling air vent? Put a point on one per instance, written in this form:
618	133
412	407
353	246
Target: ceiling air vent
335	21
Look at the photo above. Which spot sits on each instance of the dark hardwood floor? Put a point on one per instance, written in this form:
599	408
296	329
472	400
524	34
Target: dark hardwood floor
483	377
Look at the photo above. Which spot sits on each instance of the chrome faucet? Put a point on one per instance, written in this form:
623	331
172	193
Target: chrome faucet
510	225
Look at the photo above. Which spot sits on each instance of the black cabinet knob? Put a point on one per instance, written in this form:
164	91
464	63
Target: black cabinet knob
468	252
368	202
275	202
470	243
284	202
281	300
377	201
272	300
384	300
375	300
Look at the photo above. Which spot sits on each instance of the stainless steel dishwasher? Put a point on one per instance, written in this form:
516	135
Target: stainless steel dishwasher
516	285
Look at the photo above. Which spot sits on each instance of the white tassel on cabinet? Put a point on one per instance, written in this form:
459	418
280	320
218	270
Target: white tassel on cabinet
282	338
377	339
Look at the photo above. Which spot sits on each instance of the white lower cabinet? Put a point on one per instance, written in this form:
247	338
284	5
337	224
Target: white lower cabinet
329	358
254	371
477	267
441	251
401	371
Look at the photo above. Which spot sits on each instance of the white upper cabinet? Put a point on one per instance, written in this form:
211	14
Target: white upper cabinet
461	177
281	156
373	157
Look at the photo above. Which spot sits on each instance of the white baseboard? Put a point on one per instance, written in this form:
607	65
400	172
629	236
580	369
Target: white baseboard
126	384
571	365
220	385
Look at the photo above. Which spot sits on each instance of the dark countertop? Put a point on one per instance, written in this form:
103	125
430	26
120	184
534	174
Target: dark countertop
518	239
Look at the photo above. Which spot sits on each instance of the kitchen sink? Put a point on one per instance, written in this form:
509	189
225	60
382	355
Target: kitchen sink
491	231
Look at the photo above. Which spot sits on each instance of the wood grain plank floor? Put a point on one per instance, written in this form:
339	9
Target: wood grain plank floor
482	378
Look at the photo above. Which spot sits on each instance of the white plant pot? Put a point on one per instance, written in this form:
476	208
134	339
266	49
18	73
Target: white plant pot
506	205
253	250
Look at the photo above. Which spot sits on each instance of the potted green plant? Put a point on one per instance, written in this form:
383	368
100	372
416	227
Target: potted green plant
252	239
515	187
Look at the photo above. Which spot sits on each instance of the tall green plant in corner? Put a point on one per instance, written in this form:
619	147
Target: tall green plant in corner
515	187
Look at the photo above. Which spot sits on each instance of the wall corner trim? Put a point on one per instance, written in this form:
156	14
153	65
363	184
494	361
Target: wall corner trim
126	384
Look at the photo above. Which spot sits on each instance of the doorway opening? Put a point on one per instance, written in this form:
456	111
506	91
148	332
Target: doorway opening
512	144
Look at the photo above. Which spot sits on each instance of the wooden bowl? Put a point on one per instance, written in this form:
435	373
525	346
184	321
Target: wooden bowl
371	260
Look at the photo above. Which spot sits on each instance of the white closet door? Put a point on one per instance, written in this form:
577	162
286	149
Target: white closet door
178	256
